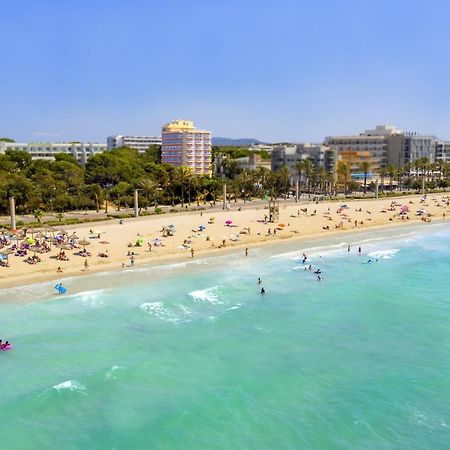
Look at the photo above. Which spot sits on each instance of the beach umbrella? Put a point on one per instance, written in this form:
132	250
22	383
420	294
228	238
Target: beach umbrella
39	235
84	242
139	242
404	208
228	222
156	241
34	249
30	241
61	232
73	236
63	247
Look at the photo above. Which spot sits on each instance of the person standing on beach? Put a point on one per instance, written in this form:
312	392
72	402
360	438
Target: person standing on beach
86	264
246	251
348	248
359	249
132	260
192	252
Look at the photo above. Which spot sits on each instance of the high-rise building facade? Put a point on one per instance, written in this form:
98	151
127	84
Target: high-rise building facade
140	143
185	145
81	151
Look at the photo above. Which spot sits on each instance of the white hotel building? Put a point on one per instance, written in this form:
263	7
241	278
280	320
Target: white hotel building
81	151
140	143
185	145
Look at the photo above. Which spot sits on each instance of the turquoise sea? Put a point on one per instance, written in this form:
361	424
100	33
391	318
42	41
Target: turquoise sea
191	356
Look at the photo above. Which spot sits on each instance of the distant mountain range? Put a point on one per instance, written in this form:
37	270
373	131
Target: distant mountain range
223	141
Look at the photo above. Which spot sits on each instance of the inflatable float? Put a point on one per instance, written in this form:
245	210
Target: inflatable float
60	288
5	349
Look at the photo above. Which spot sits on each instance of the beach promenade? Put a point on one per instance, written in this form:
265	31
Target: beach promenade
126	244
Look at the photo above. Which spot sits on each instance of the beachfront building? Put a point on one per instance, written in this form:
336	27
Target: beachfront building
371	146
81	151
321	156
385	145
185	145
140	143
443	151
253	162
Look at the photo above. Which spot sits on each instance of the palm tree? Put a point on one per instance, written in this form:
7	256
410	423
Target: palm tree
308	167
262	176
182	174
284	173
300	166
344	171
365	167
382	172
390	169
245	183
38	214
149	186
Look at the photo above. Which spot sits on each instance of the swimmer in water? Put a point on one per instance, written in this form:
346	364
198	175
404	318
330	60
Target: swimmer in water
319	278
263	291
310	267
259	281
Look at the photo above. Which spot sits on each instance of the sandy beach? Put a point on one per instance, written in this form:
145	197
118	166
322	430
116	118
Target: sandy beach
199	233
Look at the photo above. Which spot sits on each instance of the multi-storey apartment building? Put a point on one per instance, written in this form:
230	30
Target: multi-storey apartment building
185	145
289	155
443	151
140	143
372	143
81	151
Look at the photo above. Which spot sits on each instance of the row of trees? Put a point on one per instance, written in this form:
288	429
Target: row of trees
110	178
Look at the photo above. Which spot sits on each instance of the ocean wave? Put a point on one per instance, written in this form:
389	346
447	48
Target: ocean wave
384	254
110	374
91	298
236	306
71	385
211	295
158	310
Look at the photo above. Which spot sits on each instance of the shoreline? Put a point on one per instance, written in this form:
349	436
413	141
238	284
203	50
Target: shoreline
311	228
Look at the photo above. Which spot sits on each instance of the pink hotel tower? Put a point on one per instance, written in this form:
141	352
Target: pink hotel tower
184	145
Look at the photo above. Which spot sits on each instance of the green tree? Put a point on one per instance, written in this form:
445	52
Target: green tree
365	167
182	176
38	214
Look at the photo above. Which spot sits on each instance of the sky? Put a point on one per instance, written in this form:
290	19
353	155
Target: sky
285	70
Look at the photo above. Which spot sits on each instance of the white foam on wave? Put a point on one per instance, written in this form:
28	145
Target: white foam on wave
210	295
384	254
110	374
236	306
90	298
312	252
184	310
158	310
71	385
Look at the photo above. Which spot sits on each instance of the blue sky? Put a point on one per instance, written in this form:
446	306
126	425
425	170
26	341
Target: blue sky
273	70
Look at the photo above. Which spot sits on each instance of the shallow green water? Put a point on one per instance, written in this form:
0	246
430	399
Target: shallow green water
191	356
